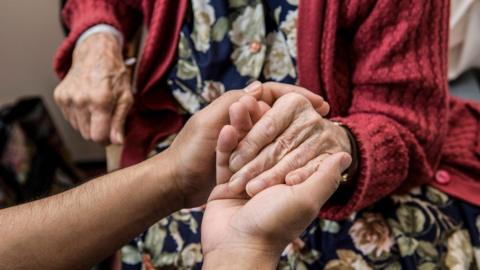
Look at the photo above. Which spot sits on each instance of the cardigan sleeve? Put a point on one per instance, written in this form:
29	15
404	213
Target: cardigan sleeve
80	15
398	111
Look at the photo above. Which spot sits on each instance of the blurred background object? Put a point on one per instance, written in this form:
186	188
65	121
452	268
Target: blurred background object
33	159
30	32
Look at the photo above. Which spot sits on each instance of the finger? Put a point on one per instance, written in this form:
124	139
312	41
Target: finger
296	137
83	121
264	107
118	120
253	107
222	191
69	117
299	175
324	182
100	126
68	112
227	141
272	91
216	114
240	118
297	158
72	118
324	109
273	123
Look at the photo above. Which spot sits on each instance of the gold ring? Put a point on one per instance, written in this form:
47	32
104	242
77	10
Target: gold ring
344	178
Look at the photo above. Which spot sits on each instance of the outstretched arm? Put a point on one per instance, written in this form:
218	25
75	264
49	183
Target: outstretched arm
79	227
85	224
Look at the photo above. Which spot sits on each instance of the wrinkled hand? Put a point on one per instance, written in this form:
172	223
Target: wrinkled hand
192	154
287	145
95	96
271	219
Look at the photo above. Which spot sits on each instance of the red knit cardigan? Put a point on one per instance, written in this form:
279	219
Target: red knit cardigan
381	65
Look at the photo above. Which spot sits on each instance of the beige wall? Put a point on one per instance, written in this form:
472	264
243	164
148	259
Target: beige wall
29	34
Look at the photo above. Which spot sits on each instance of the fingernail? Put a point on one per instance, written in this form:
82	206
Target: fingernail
345	161
252	87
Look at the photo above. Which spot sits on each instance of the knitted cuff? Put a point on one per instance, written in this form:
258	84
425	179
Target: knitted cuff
80	16
383	164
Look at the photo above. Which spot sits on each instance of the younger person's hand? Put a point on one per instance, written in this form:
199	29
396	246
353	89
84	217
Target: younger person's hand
241	233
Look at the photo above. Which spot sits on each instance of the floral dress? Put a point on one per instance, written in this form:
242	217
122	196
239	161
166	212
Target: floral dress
228	44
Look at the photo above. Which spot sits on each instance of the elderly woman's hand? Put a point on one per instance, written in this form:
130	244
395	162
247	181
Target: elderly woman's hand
286	145
192	154
95	96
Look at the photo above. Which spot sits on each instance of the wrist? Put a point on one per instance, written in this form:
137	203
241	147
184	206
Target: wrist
349	139
161	177
100	50
240	258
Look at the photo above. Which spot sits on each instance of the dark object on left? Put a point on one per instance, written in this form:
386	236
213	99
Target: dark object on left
33	159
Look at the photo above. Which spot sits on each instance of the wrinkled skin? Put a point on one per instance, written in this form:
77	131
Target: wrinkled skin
96	94
286	145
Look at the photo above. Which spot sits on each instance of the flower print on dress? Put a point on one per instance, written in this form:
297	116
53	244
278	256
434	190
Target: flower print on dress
203	19
188	100
278	63
297	256
190	256
212	90
131	255
248	35
289	28
347	259
293	2
371	235
460	251
186	67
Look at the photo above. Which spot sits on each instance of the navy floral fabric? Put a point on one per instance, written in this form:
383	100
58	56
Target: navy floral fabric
227	44
422	229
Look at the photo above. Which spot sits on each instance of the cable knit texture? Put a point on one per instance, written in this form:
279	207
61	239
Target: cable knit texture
381	64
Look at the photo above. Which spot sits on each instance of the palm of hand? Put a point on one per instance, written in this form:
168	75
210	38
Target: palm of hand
195	165
267	221
193	150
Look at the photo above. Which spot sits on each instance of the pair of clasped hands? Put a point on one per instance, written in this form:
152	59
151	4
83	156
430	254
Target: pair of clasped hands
277	163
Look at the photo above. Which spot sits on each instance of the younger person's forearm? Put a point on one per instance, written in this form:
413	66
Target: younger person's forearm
77	228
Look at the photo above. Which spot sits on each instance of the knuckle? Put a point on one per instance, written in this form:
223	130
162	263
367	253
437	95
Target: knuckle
128	99
253	171
103	98
80	100
295	162
269	127
274	176
244	151
327	138
296	99
281	147
57	97
314	118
